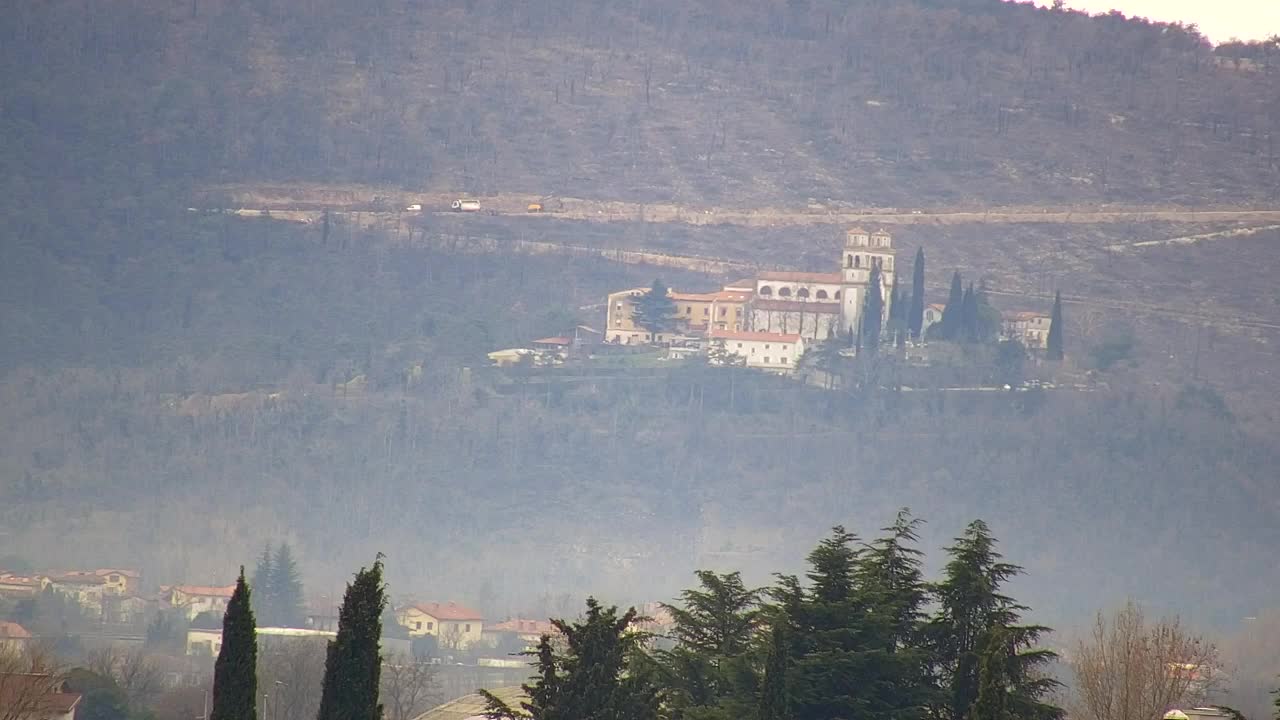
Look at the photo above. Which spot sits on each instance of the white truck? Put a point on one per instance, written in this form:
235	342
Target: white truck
465	205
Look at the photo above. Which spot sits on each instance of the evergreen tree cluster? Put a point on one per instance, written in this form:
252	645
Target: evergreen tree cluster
968	316
862	637
277	589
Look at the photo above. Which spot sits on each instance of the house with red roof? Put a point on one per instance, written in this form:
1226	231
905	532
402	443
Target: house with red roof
455	626
36	696
13	637
777	352
196	599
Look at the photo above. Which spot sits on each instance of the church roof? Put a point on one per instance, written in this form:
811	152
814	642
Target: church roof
797	306
791	276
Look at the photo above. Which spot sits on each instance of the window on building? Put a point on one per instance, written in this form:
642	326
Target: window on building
848	261
417	625
467	628
766	346
782	360
431	626
765	290
618	306
837	295
766	359
688	309
706	311
739	344
802	292
822	295
784	292
723	311
857	261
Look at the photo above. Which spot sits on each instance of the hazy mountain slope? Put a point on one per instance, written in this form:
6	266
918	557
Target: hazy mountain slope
895	103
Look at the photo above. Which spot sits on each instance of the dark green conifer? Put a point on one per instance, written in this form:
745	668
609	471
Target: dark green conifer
970	606
655	311
1055	348
948	328
235	682
590	680
263	576
286	587
873	310
775	699
915	316
968	331
993	677
352	666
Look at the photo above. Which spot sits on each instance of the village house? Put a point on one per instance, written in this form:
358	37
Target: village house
455	626
36	696
517	635
196	599
18	586
13	637
1029	328
766	351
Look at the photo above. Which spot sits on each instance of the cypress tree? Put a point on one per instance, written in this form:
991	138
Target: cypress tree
873	310
1055	350
915	316
235	682
352	665
286	587
968	331
949	325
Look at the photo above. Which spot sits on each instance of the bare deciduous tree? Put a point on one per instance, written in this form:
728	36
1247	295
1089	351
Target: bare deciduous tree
290	673
132	669
28	678
408	687
1132	669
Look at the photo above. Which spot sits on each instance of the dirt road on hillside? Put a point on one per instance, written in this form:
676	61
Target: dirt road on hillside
304	202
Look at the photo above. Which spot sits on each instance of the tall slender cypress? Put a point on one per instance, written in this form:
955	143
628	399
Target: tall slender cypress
352	667
873	310
1055	351
915	317
949	326
235	682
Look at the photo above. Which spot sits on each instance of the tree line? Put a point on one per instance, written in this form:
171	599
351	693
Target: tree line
863	635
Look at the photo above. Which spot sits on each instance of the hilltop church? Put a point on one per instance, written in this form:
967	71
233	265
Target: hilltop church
812	306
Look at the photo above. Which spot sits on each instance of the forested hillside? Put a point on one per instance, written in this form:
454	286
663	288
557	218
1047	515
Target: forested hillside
871	102
178	388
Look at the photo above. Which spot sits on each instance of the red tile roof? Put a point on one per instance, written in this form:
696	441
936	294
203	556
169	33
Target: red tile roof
553	341
448	611
791	276
205	590
43	693
797	306
523	627
691	297
13	631
754	336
